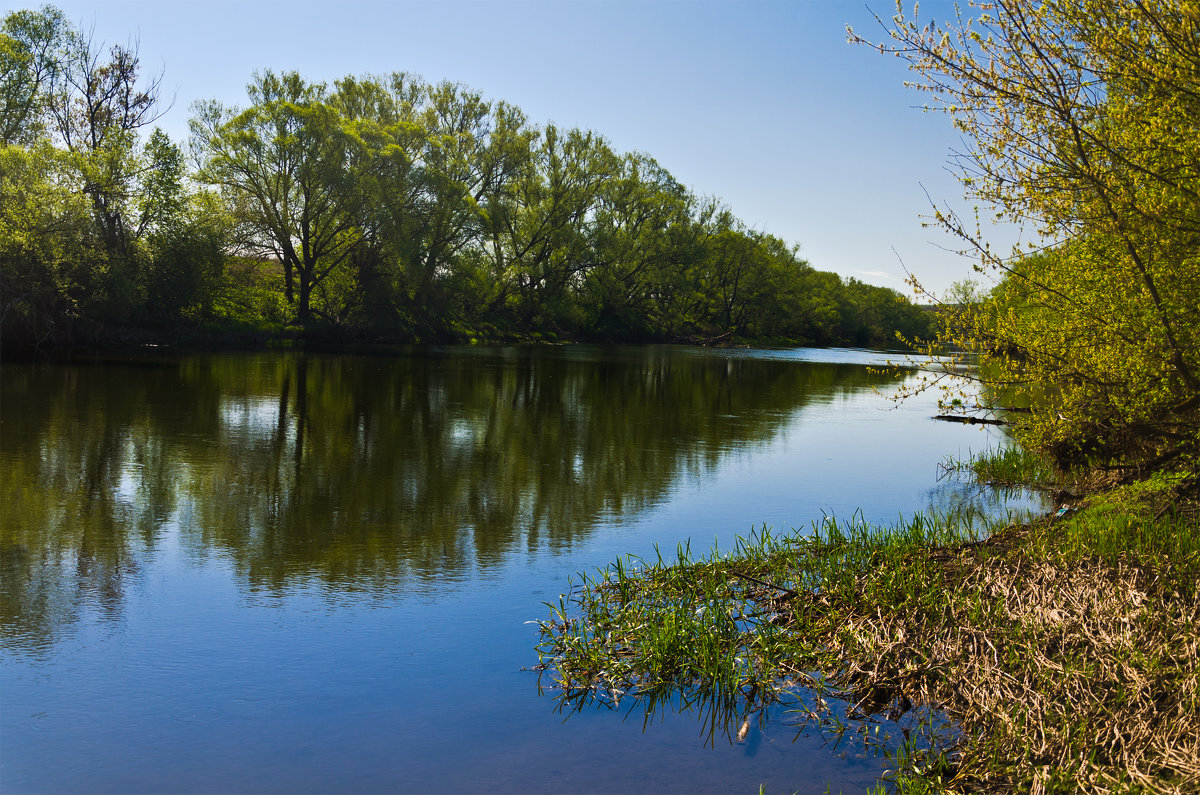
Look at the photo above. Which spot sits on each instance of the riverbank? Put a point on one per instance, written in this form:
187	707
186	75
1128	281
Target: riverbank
1058	655
134	340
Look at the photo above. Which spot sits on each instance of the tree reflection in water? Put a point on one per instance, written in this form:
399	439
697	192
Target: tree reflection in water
362	471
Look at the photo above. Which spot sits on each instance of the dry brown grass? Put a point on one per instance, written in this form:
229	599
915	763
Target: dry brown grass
1069	675
1064	652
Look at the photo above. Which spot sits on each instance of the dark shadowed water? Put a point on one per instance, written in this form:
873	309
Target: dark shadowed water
289	573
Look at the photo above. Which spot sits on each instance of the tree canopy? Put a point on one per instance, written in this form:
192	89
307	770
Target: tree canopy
375	208
1083	120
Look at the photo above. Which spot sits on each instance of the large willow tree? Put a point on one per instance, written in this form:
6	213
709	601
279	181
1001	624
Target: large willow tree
1084	123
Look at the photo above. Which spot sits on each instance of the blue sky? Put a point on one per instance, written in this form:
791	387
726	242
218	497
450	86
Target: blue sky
758	102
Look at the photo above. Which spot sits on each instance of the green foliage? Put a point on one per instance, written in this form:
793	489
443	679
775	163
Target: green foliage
1085	119
285	166
379	206
186	267
976	657
97	231
32	45
438	214
48	272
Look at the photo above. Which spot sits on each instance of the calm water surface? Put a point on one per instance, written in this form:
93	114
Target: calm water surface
289	573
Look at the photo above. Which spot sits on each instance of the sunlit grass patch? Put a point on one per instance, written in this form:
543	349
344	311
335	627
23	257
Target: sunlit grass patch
1055	656
737	632
1011	466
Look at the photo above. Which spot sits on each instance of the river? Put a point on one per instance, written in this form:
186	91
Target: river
280	572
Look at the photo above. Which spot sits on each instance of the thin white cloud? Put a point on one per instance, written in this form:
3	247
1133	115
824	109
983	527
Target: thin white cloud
876	274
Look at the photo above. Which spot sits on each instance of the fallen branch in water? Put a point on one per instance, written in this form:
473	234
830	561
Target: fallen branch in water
970	420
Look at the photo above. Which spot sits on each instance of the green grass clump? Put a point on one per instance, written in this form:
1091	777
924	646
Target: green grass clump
1014	466
1063	653
1011	466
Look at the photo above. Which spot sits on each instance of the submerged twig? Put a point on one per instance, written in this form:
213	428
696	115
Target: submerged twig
763	583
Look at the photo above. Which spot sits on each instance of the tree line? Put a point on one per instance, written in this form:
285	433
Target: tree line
374	208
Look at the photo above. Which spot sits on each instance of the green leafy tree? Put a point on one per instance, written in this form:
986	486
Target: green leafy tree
640	235
731	270
542	252
382	113
1085	123
786	305
32	51
284	164
382	206
48	270
71	115
439	163
96	104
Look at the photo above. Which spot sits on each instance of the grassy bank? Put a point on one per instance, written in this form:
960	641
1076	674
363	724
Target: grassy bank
1054	656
